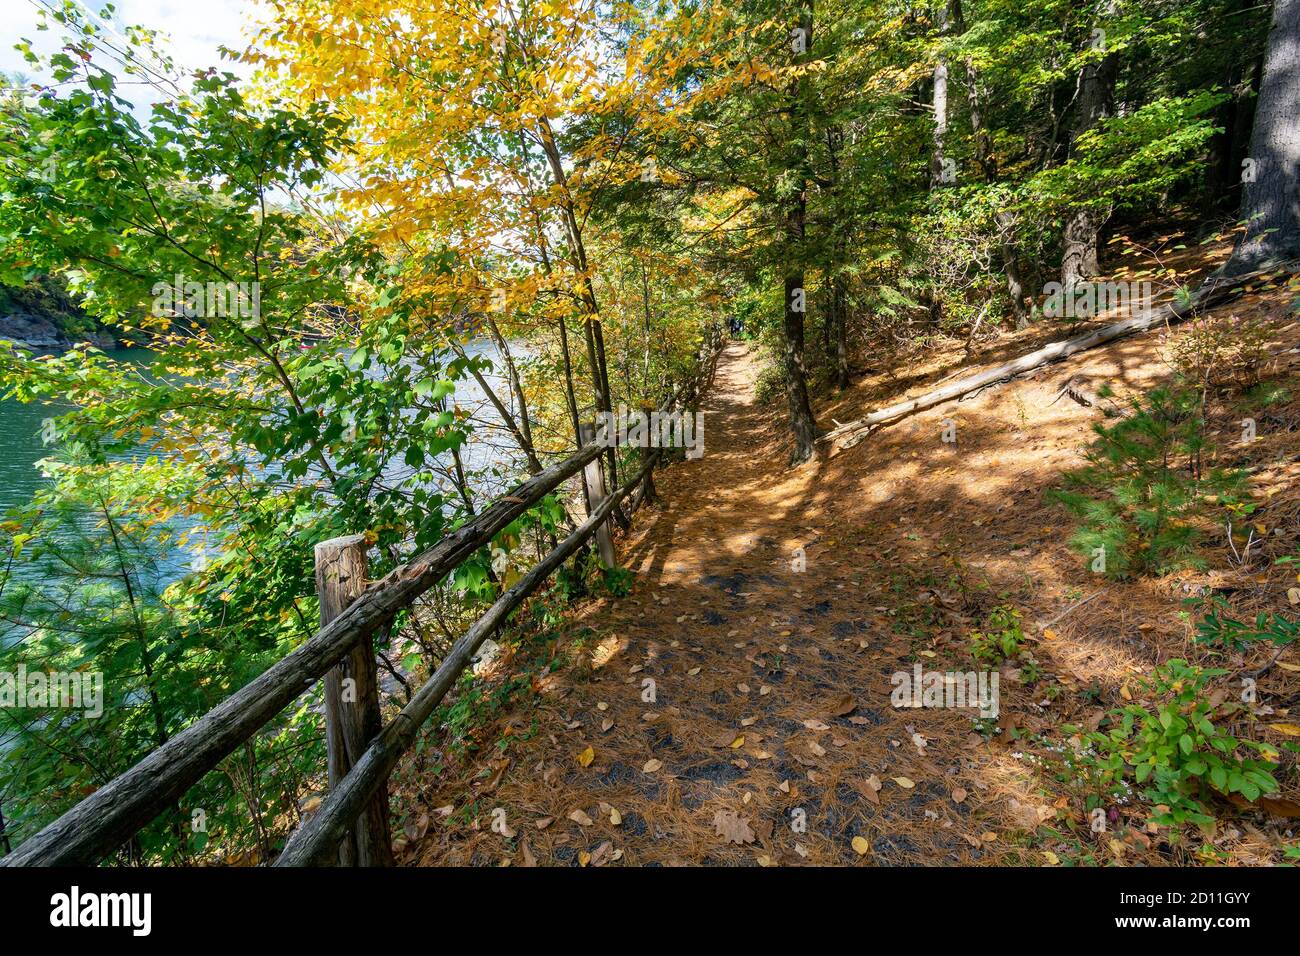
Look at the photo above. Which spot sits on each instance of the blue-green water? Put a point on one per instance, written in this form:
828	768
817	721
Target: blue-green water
21	442
22	445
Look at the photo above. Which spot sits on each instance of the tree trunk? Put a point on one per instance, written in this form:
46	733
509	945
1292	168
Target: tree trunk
594	337
840	298
1272	201
949	15
796	378
1096	101
1234	116
1011	268
516	386
795	225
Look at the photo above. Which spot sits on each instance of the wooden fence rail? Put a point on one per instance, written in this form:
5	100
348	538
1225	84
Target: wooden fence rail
317	840
109	817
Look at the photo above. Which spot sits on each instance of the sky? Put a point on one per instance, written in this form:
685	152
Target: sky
195	29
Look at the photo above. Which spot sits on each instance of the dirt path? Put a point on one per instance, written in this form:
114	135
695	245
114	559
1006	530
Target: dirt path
771	608
754	617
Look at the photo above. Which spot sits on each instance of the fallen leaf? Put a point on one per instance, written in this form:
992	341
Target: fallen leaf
958	795
580	818
870	788
904	782
731	826
651	766
842	706
860	846
586	757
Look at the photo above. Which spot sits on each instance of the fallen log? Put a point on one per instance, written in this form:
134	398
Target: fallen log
1213	291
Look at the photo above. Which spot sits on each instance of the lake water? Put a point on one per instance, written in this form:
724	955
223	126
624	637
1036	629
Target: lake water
21	425
21	445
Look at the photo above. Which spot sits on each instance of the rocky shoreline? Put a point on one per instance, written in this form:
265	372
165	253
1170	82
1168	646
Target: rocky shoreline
41	334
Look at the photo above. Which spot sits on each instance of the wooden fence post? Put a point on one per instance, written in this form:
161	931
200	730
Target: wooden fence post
352	717
596	491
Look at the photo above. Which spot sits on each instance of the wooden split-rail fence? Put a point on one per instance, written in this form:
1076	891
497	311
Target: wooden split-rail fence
350	827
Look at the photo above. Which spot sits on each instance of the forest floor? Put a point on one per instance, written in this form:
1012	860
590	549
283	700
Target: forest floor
770	607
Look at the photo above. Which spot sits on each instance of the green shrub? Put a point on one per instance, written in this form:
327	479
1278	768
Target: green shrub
1173	747
617	581
1001	637
1144	487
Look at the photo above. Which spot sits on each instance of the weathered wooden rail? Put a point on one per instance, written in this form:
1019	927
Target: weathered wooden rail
108	818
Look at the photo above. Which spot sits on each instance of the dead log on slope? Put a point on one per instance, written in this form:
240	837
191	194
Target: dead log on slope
1214	291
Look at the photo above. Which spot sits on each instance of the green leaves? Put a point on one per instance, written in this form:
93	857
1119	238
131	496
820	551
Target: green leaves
1218	630
1173	747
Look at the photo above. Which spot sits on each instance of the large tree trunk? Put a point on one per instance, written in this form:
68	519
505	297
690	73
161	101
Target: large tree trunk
1272	200
1235	116
796	376
1011	267
1096	101
939	172
942	169
795	227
